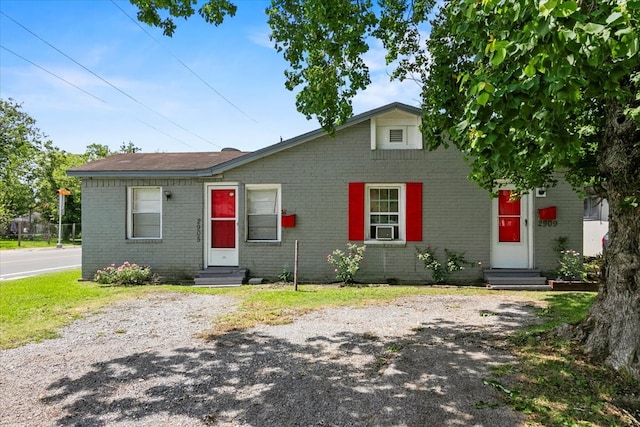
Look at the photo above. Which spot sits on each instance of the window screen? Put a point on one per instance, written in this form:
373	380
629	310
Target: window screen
262	214
146	210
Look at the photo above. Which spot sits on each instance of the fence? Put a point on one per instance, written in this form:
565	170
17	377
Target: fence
46	232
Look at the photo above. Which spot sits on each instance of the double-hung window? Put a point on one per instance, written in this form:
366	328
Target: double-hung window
144	219
385	212
263	212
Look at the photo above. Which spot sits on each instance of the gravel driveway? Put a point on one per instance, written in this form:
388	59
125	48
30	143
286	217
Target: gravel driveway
414	362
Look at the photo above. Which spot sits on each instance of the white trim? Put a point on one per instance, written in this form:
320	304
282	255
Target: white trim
402	212
208	187
278	188
130	213
396	120
504	255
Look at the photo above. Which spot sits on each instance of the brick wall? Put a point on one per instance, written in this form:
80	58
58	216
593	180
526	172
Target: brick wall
314	178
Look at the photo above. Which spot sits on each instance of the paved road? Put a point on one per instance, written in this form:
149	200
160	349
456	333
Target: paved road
18	263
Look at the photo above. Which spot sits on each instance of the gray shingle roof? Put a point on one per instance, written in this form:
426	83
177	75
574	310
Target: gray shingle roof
206	164
155	164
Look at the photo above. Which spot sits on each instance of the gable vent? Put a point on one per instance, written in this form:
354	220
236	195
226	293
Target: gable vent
396	135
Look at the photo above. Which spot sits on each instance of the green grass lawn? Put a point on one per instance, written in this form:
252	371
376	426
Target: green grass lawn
550	381
35	308
31	244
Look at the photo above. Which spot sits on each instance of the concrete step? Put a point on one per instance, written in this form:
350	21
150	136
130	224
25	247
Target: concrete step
222	271
221	276
520	287
510	272
510	280
217	282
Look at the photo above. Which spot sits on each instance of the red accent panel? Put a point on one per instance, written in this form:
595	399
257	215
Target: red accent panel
414	211
506	206
223	203
509	229
356	211
223	234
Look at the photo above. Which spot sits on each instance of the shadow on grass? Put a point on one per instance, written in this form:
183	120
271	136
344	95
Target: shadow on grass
557	385
430	375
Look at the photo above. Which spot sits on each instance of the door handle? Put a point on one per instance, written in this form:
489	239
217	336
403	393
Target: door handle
526	222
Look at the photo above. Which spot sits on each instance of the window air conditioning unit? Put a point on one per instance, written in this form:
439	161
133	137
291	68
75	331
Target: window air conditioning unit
384	232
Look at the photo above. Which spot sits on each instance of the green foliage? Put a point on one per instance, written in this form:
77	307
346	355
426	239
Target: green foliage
285	276
560	244
347	264
125	274
554	383
20	143
593	268
440	273
32	169
324	43
571	266
213	12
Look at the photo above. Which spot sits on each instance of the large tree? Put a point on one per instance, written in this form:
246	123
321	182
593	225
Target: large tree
522	88
20	143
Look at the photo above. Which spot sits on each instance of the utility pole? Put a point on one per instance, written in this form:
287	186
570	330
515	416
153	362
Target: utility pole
62	193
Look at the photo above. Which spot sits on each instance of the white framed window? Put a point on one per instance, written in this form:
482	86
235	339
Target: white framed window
144	213
263	212
385	212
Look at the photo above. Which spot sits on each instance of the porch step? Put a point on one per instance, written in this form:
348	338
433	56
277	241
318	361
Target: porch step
510	272
221	276
505	280
520	287
515	279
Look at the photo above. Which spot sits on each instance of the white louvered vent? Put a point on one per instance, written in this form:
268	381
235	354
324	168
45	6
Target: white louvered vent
396	135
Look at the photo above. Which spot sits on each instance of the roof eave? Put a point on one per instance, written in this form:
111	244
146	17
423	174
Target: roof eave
139	174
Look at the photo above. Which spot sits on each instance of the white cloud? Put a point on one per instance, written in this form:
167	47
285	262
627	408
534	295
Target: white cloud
260	37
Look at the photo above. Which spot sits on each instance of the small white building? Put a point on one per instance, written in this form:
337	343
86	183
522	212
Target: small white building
596	224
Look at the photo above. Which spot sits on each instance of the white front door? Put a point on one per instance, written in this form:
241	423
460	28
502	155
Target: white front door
510	237
222	212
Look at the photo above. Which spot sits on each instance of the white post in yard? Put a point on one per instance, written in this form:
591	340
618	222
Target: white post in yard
60	207
62	192
295	267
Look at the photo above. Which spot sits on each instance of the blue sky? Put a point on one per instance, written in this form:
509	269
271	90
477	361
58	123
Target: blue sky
164	107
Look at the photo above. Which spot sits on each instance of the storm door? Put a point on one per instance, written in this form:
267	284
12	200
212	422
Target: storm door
222	242
510	247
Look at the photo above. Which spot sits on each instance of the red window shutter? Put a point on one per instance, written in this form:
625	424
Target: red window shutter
414	211
356	211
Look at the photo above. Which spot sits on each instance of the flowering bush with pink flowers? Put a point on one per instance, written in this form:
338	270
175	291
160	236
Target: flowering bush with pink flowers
125	274
347	264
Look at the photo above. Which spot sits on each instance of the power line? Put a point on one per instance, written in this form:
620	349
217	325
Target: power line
109	83
89	93
183	64
53	74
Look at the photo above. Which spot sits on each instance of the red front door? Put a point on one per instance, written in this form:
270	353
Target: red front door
510	246
223	226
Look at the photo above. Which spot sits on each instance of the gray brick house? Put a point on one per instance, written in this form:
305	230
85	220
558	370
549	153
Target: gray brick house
372	183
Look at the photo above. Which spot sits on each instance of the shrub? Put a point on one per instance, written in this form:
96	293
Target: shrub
347	264
126	274
440	273
571	266
286	276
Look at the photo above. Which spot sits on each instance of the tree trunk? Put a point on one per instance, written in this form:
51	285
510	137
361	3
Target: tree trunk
611	331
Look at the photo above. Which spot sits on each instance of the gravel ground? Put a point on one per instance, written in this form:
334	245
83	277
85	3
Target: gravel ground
415	362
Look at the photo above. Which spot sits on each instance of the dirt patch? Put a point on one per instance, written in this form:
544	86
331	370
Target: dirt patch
414	362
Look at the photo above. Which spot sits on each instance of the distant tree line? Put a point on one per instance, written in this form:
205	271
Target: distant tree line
32	169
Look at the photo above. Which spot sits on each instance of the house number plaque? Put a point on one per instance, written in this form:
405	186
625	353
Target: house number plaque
547	223
198	229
